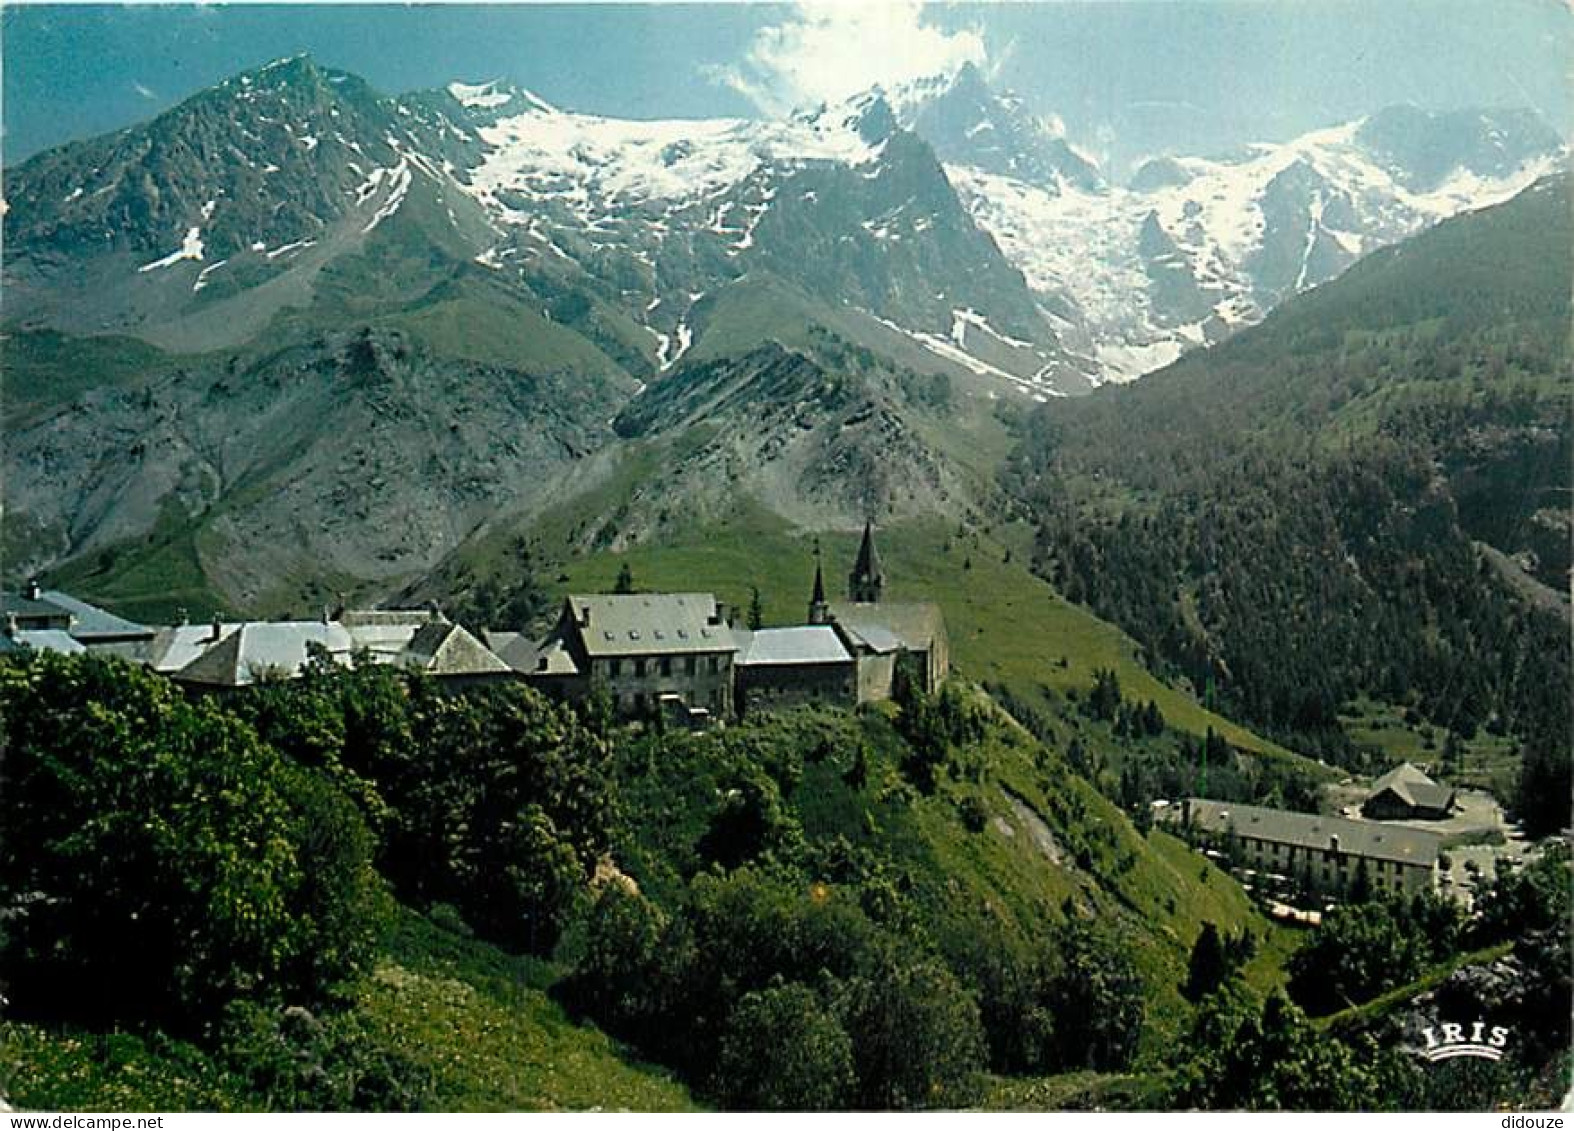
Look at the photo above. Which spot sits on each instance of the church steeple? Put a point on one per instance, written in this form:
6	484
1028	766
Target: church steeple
867	579
819	607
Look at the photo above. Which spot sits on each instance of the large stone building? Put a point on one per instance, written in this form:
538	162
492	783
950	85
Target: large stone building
1327	855
650	652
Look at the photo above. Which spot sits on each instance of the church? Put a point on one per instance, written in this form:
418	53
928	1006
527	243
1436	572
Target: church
883	634
850	651
681	655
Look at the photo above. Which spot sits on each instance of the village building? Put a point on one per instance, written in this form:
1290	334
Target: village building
450	654
178	645
1405	793
668	653
780	667
256	651
883	634
223	656
13	639
1327	855
58	622
29	612
426	641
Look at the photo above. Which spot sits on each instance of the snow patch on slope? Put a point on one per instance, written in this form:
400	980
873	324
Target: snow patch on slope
190	248
483	97
593	165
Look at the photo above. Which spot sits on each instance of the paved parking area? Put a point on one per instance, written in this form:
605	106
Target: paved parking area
1479	817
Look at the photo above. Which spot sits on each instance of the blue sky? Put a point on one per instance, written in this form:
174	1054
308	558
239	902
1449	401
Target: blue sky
1128	77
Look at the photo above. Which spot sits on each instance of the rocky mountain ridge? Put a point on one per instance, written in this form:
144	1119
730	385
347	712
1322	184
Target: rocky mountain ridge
381	325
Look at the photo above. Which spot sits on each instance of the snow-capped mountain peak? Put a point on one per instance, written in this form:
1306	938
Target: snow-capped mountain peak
1193	248
903	205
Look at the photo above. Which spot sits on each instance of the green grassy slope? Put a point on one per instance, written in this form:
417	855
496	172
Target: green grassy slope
1042	842
44	370
476	1022
148	579
1005	624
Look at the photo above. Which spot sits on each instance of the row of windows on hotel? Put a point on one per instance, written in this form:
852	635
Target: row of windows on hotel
1281	851
662	665
641	701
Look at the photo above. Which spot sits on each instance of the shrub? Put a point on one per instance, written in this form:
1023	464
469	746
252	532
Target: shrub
917	1039
1092	982
160	860
294	1060
784	1051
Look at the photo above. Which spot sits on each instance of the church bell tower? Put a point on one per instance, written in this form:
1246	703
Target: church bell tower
868	578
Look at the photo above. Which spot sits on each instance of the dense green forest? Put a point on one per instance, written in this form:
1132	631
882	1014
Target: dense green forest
354	890
1367	495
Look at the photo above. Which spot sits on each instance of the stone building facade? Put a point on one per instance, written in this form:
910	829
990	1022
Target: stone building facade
1327	855
678	654
782	667
883	635
648	652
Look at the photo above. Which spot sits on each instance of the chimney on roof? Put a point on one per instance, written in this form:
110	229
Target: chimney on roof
180	615
584	616
10	625
217	630
1333	845
34	590
327	614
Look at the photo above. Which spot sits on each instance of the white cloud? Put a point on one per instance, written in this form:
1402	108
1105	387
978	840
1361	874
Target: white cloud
827	51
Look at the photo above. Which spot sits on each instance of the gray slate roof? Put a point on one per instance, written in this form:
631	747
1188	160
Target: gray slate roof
885	627
25	608
642	624
46	640
174	648
501	639
257	648
91	622
531	658
385	633
1371	839
547	657
806	644
1413	787
441	648
366	618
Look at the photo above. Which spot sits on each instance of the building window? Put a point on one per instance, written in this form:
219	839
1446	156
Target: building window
615	668
639	667
666	665
691	664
